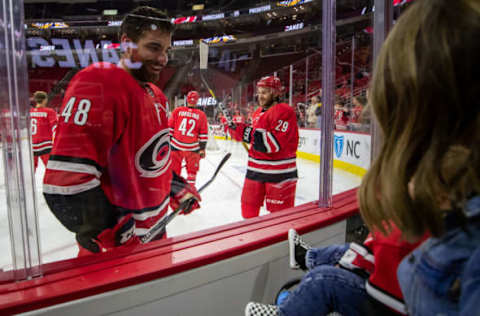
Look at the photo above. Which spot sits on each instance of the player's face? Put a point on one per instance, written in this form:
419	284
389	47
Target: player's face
265	97
151	51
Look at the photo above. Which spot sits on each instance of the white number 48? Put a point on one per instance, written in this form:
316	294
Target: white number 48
81	114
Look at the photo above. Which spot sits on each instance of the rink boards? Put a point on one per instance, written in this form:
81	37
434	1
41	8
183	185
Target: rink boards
213	272
216	271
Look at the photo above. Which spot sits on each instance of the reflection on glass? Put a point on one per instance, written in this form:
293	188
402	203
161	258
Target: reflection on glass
18	190
5	243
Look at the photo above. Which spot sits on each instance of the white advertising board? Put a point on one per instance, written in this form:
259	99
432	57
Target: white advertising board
351	150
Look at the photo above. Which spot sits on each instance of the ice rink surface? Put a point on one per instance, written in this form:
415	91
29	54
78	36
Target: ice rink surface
220	202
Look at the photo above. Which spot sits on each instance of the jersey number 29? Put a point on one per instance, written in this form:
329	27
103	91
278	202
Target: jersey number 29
282	126
81	114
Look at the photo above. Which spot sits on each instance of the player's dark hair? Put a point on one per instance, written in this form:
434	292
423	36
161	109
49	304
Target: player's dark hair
143	19
39	96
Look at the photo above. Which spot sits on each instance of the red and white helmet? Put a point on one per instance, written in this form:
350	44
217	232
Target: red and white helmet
271	82
192	97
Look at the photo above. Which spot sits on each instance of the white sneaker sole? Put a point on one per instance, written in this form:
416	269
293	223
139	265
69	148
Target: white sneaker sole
247	308
291	247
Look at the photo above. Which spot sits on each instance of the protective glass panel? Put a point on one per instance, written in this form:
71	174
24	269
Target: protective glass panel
110	159
19	230
353	69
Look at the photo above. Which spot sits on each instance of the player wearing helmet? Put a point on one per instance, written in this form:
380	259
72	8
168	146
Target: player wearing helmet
271	170
189	132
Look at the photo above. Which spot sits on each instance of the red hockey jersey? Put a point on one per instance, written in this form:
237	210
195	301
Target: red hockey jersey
340	119
238	119
223	120
255	116
188	128
274	138
113	133
43	122
356	113
380	256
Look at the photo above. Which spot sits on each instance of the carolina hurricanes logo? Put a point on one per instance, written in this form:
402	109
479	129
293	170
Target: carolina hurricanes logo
153	159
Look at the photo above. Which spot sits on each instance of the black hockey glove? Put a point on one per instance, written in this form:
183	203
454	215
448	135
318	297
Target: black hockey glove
181	191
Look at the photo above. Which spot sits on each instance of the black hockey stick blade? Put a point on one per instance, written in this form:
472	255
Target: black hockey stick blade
220	165
159	228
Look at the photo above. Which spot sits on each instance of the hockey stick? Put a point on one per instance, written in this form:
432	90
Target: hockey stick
62	84
184	206
203	68
221	106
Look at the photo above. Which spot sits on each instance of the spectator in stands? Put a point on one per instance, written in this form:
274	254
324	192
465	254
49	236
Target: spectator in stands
301	115
341	114
426	176
358	105
356	112
312	112
318	110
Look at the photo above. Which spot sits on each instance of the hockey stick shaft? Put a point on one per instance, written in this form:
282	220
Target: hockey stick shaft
62	84
221	106
185	205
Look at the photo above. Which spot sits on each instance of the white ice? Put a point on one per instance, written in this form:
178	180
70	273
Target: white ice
220	202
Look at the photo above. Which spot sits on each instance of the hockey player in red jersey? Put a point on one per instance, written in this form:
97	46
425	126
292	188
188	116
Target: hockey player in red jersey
224	122
238	118
271	171
189	131
43	122
109	177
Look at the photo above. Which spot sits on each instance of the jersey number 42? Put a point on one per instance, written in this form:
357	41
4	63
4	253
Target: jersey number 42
187	124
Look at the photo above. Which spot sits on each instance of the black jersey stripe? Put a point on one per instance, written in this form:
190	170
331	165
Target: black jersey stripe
258	160
264	177
42	152
124	211
85	161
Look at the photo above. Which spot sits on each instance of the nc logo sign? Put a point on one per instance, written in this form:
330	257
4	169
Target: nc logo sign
338	144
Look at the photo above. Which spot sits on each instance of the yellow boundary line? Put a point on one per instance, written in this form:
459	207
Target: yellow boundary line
348	167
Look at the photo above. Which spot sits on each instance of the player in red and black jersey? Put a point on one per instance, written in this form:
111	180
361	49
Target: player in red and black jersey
272	170
238	118
109	177
189	131
43	122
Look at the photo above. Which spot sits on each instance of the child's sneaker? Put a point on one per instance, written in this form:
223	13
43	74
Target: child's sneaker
259	309
298	249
